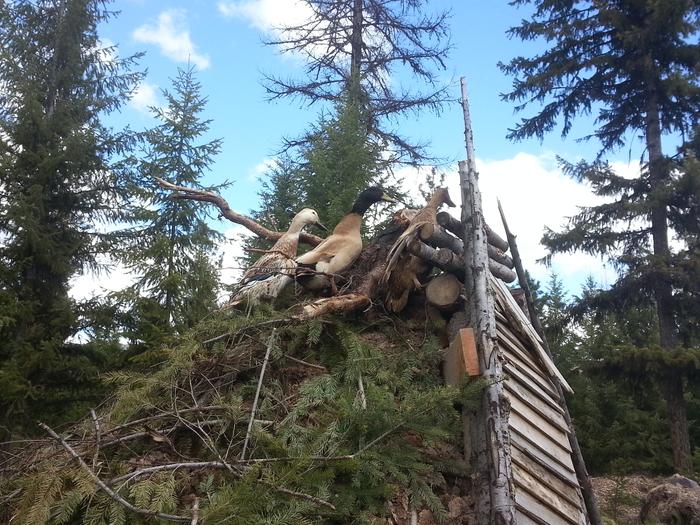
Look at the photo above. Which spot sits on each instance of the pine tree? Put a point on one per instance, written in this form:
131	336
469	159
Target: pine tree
171	244
353	50
59	185
635	63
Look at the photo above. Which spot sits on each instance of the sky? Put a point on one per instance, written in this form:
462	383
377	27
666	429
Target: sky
224	41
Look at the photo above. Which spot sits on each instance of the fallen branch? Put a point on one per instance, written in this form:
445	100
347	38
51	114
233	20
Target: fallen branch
257	392
194	194
96	423
116	497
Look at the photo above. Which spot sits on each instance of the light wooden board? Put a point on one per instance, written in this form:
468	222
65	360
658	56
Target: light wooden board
545	494
506	337
560	481
461	358
522	447
516	376
544	424
534	507
540	439
535	403
523	519
544	385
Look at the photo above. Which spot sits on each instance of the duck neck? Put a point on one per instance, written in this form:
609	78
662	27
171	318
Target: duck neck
350	222
297	225
361	206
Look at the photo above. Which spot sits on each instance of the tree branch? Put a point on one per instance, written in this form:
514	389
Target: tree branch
194	194
116	497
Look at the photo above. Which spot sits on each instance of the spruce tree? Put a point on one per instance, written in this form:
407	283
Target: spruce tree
171	245
59	186
635	64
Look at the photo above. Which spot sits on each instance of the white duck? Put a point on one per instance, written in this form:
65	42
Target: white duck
270	274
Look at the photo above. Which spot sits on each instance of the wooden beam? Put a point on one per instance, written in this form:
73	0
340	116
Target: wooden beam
495	456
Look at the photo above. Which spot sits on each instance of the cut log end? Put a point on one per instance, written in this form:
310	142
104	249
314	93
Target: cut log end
444	292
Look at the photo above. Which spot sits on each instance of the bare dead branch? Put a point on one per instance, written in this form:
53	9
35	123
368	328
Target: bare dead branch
183	192
112	494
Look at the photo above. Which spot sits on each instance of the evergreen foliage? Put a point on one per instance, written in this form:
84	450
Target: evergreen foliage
635	65
170	246
354	447
59	187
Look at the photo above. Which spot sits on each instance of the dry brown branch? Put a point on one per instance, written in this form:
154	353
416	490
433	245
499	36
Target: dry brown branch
116	497
183	192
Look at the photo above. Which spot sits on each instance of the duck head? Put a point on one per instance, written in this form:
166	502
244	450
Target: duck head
441	196
308	216
369	197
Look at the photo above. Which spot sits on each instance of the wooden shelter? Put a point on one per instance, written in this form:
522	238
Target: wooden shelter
526	465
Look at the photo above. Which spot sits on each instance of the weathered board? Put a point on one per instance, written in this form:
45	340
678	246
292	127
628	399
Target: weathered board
546	489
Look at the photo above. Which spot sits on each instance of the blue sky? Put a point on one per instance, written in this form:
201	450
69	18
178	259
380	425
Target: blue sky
224	40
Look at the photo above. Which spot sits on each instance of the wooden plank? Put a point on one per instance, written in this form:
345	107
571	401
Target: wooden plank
540	424
555	419
560	480
514	344
516	376
553	427
544	385
534	507
521	518
535	403
461	358
523	447
540	439
546	494
514	312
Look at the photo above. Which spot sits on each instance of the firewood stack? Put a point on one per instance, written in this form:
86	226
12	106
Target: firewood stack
439	246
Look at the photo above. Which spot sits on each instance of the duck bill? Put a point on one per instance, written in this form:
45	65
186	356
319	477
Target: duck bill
321	226
386	198
450	203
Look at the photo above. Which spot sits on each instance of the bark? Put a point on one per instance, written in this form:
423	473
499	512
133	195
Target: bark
584	480
663	294
451	224
481	312
436	235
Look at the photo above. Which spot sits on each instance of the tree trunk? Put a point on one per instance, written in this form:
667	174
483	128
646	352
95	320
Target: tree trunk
663	294
482	317
356	52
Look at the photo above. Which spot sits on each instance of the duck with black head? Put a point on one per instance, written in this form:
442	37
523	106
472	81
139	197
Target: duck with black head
341	248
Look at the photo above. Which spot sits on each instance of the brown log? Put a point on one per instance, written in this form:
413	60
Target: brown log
436	235
444	292
501	271
443	258
453	225
194	194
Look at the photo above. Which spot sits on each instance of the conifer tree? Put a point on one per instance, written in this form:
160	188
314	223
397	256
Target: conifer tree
635	64
59	184
353	50
171	244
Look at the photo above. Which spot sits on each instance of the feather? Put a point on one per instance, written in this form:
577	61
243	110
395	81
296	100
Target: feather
271	274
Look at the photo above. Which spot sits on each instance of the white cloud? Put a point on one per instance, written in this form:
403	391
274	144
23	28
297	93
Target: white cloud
261	168
90	284
145	97
268	15
171	35
534	195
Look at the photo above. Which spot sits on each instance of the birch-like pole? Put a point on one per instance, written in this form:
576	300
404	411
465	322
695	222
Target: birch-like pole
488	433
270	344
576	456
